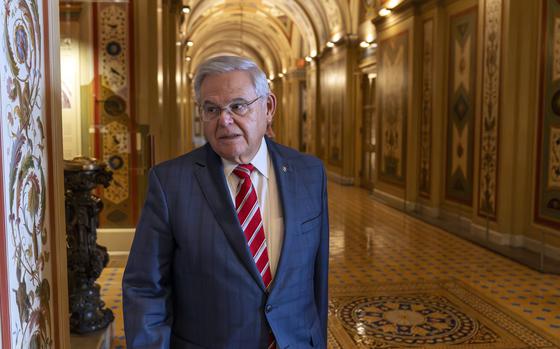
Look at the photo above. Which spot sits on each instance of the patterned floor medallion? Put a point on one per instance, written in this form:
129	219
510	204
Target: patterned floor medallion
438	314
418	319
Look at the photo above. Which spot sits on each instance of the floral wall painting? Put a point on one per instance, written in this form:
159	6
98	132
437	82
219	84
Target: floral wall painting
25	173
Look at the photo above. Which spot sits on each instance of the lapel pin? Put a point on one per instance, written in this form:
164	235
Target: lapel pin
284	168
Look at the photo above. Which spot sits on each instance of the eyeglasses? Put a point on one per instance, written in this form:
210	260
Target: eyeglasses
210	111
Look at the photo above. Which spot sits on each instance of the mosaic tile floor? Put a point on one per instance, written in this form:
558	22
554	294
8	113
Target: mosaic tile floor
398	282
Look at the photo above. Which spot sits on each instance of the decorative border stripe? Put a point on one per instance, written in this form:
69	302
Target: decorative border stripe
491	113
427	111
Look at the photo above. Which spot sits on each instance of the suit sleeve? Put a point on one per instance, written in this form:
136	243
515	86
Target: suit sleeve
322	263
146	281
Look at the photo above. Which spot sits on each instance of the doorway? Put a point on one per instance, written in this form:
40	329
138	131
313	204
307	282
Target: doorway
368	131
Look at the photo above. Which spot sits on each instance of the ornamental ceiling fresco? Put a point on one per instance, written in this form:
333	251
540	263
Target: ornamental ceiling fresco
275	33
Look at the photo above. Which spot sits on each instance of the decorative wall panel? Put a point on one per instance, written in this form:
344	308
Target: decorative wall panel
547	201
461	106
114	111
393	82
490	126
333	97
25	174
426	116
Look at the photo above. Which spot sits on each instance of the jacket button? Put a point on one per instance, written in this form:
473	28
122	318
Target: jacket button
268	308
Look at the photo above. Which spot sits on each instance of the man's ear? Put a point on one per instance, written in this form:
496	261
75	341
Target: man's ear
270	107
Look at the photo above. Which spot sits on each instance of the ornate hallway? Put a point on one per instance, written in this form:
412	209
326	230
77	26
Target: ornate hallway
396	281
446	109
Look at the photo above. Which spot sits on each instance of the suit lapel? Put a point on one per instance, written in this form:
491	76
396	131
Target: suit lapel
286	180
210	176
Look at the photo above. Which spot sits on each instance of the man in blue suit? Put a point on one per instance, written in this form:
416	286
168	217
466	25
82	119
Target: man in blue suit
231	250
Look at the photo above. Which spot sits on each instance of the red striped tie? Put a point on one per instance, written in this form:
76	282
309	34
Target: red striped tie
250	218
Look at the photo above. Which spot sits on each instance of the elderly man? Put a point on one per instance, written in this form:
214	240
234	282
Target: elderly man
231	250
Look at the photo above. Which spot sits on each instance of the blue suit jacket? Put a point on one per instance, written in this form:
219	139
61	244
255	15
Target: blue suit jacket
191	282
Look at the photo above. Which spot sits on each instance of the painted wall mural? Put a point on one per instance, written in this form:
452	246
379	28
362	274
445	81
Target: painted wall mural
114	111
25	173
461	106
490	126
393	107
547	202
426	116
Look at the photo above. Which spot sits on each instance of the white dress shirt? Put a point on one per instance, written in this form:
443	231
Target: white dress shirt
264	181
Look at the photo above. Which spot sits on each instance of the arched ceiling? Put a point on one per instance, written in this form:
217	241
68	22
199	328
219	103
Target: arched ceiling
273	32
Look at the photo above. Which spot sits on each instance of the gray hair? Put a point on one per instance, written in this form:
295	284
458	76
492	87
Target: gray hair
226	64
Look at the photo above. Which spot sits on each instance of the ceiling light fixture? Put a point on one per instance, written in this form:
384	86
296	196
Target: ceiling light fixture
364	44
308	59
336	37
330	44
188	58
186	9
190	43
384	12
392	4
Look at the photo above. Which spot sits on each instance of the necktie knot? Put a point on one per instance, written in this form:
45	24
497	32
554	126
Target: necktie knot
244	171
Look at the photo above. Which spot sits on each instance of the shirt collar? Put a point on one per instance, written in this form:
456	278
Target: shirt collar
260	161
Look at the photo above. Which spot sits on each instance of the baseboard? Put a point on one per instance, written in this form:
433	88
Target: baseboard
492	235
116	240
537	246
425	210
337	178
518	247
389	199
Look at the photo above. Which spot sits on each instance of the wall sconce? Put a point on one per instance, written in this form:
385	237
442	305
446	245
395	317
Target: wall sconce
188	58
186	9
190	43
330	44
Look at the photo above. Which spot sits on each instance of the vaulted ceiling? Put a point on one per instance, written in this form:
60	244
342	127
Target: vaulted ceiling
275	33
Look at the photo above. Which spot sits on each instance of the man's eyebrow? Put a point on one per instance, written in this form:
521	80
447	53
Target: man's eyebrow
235	100
208	102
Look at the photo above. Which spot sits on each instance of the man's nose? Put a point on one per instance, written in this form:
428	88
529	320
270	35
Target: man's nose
225	118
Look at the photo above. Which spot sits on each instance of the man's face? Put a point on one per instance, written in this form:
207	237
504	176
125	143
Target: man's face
235	138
